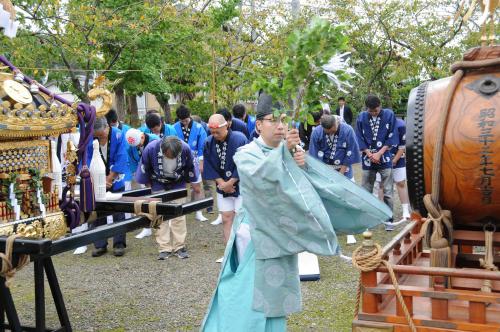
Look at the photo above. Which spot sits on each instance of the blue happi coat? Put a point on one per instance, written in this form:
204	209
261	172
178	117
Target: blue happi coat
254	134
150	169
205	126
135	152
116	159
375	132
250	120
238	125
341	150
401	135
218	159
166	130
123	127
197	137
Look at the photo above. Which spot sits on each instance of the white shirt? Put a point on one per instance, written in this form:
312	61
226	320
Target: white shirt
104	151
341	112
169	165
326	107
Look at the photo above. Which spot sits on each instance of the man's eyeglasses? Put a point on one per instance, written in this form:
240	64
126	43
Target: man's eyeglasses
275	121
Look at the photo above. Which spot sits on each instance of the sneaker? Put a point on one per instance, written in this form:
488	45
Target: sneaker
200	217
345	258
210	210
389	227
164	255
80	250
217	221
182	253
119	250
351	239
99	252
220	260
144	233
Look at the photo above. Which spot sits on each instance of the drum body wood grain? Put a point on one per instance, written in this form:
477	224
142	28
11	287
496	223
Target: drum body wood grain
470	168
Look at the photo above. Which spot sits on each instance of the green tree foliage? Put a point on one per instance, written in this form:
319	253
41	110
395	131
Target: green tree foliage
246	43
213	51
77	37
398	44
303	80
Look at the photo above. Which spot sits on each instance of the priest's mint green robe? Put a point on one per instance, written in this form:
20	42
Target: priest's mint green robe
289	210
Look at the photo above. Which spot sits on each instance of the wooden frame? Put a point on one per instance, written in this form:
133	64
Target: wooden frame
462	307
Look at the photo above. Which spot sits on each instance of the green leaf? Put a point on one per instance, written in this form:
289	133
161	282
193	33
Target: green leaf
310	119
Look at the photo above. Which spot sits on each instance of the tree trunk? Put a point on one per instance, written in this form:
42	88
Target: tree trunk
165	106
186	96
133	111
120	104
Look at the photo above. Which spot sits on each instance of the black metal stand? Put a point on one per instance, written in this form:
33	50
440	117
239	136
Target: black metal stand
43	266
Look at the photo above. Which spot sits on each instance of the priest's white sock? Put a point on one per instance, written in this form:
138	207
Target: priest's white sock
406	211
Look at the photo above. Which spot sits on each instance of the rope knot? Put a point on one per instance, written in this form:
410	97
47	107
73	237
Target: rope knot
151	214
8	271
488	261
368	258
440	219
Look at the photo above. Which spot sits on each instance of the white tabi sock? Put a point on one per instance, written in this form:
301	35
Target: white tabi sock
406	211
199	216
76	230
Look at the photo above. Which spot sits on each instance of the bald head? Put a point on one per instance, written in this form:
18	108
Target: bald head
218	127
216	120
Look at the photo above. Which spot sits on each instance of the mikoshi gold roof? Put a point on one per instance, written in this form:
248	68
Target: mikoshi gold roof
27	112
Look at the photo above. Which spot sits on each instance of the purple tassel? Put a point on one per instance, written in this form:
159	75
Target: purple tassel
86	117
87	198
71	209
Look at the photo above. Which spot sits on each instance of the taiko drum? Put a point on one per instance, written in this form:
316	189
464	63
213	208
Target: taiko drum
470	168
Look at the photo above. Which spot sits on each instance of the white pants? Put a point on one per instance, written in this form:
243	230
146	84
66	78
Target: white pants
398	174
228	204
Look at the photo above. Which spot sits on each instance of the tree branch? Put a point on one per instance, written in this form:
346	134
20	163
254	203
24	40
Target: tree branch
87	76
74	80
453	35
389	57
205	5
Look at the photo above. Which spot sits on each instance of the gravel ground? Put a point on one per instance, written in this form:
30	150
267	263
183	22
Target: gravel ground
139	293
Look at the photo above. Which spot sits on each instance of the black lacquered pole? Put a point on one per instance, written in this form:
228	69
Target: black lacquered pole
164	209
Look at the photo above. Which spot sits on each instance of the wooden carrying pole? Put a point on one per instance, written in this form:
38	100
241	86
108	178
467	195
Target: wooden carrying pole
443	271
